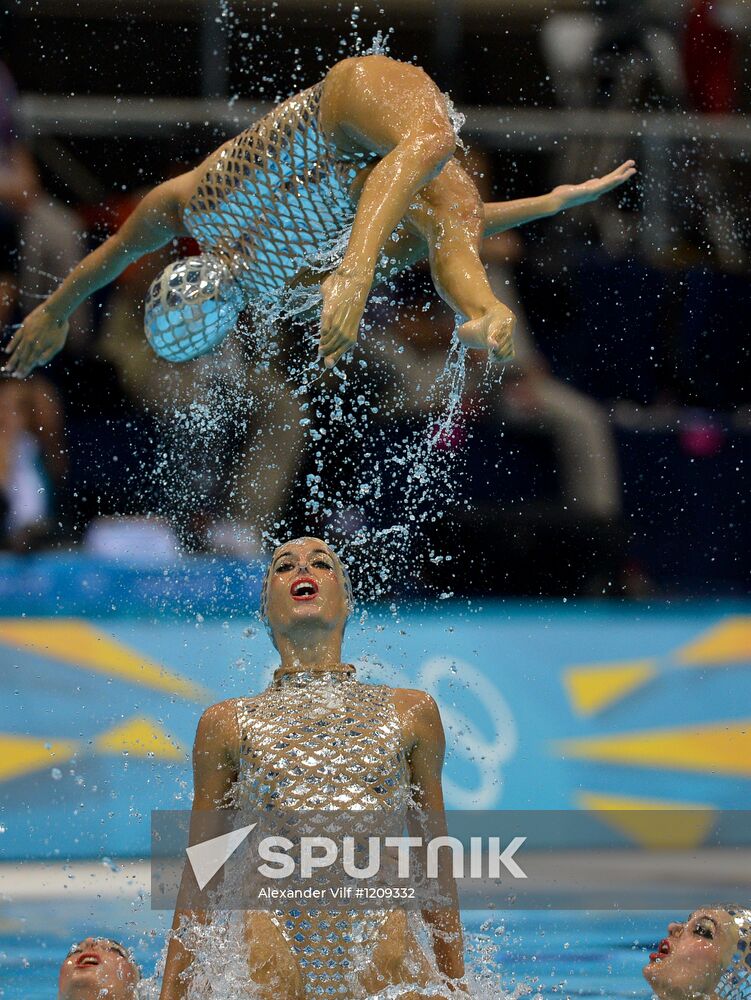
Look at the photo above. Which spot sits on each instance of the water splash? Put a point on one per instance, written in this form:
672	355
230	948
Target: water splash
381	44
221	953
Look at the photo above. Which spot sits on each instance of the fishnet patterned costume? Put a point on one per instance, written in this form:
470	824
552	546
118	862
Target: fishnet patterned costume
275	194
735	983
323	741
275	199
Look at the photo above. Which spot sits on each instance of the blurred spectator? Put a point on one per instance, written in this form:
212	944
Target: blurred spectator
712	53
51	243
273	445
635	58
531	397
621	55
526	396
32	457
635	55
712	66
18	177
17	182
32	461
40	239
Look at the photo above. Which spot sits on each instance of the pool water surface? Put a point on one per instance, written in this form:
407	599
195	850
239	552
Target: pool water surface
564	953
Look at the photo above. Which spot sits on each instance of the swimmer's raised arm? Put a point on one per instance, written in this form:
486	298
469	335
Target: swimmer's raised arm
214	772
503	215
156	220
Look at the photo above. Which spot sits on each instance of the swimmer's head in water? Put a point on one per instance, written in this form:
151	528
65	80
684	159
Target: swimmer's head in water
306	583
98	966
191	307
703	956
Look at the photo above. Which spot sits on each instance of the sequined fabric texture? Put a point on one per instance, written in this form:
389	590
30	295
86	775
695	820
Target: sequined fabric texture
735	983
191	307
323	741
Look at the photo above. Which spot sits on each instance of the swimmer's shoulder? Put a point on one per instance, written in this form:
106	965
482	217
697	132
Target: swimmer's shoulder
418	713
405	700
415	701
219	725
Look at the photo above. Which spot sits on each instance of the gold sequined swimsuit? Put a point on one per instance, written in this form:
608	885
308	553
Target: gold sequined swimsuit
323	741
276	197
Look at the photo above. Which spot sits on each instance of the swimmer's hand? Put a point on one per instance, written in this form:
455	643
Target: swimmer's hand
345	292
571	195
39	338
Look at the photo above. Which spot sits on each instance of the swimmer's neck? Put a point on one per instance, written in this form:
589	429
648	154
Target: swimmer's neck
310	649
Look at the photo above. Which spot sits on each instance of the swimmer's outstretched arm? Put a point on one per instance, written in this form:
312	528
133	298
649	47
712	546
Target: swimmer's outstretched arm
410	245
503	215
214	772
156	220
427	819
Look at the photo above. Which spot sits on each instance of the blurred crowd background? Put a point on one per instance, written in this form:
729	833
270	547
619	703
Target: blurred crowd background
611	458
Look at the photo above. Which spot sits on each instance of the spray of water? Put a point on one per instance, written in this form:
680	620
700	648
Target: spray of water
264	395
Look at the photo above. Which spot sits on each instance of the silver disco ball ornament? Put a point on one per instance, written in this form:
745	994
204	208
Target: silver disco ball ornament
191	307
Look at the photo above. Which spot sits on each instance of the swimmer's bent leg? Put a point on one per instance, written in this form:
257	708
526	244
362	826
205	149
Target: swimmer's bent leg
387	106
397	959
450	215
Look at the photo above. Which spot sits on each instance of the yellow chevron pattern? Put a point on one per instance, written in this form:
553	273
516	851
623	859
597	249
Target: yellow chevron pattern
716	748
593	687
21	755
647	822
86	647
727	642
138	737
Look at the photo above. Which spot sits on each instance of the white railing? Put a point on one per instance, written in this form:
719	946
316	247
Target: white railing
508	127
603	136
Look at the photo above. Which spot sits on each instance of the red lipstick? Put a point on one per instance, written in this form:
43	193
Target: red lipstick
304	589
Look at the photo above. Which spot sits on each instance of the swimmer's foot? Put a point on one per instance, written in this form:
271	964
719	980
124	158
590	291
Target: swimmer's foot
492	332
345	292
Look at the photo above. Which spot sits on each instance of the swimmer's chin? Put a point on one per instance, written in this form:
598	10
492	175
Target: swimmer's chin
307	609
654	970
310	608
